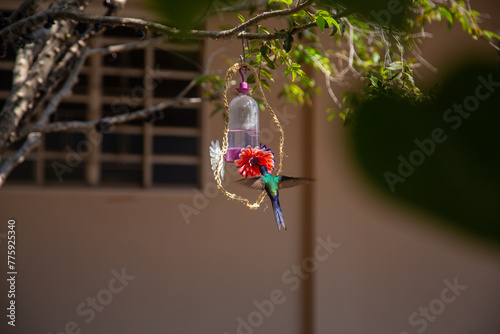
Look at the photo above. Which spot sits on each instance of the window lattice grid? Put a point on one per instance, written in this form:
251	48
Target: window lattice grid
163	152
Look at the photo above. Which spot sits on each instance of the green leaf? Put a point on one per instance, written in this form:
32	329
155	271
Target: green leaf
251	79
254	63
446	13
397	76
320	21
332	22
300	72
287	44
199	79
263	51
395	65
259	102
324	19
374	81
300	14
465	24
288	2
264	30
294	93
265	84
266	73
242	19
490	35
334	31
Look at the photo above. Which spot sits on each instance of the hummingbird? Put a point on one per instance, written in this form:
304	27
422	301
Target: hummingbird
271	184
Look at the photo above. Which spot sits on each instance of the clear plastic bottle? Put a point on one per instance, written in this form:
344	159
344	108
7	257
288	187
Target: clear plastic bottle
243	125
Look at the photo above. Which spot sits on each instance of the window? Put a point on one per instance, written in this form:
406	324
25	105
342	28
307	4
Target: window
160	151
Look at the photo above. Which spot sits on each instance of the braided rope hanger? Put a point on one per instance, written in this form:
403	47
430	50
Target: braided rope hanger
229	76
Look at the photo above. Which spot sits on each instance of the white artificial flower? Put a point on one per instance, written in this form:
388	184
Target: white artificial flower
215	153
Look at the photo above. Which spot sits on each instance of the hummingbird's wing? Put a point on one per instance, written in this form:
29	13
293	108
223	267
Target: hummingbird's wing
290	181
252	182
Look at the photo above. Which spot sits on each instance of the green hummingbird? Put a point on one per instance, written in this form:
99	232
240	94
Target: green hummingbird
272	184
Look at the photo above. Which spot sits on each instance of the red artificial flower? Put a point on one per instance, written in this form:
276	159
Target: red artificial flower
251	158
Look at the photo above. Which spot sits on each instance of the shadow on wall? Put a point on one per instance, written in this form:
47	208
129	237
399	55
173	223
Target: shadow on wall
442	157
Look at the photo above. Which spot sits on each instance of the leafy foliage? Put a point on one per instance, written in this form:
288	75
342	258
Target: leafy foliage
369	48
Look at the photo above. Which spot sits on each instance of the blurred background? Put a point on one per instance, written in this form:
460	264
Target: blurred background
136	238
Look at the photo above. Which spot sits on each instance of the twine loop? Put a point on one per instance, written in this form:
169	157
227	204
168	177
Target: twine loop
227	80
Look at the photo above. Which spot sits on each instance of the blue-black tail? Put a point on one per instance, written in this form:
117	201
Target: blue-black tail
278	215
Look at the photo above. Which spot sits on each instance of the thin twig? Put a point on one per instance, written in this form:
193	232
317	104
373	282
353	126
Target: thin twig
328	78
77	126
127	46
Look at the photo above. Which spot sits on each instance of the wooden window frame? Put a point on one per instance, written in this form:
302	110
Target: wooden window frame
95	100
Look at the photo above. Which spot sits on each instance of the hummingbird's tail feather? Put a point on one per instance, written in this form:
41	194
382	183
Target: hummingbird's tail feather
278	214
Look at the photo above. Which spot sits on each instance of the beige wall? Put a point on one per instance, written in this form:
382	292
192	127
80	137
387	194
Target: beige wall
387	262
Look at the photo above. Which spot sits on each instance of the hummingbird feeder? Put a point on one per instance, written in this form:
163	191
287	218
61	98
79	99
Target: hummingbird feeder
240	142
244	121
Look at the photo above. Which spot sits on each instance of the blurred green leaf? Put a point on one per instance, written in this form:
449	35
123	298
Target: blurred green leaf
265	84
446	13
266	73
320	21
287	2
396	65
287	44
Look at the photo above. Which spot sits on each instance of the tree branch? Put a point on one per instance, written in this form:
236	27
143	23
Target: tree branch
26	7
76	126
21	100
280	35
64	91
62	69
128	46
261	17
32	142
34	139
73	14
